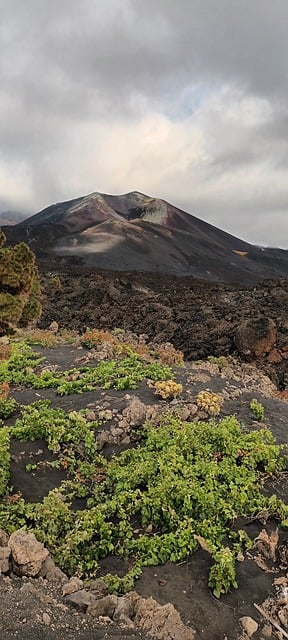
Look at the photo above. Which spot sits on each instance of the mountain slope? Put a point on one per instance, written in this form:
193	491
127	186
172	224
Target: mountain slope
11	217
135	232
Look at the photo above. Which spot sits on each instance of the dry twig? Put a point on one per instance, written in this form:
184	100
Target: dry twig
275	624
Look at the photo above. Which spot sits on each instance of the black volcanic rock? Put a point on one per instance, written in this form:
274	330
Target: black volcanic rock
134	232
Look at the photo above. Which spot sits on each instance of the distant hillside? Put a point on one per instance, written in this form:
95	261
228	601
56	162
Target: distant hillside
11	217
134	232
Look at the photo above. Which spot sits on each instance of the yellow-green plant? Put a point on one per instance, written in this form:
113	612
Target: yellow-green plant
209	402
168	389
221	361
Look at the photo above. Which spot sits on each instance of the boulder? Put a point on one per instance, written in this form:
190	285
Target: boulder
27	553
256	337
161	622
135	413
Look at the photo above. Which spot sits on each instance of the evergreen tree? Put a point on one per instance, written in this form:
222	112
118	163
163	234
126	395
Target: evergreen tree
19	286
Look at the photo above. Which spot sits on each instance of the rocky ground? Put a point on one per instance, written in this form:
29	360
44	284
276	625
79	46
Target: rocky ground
198	317
248	327
34	607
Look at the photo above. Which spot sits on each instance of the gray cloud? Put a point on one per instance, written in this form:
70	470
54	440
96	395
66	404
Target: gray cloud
186	101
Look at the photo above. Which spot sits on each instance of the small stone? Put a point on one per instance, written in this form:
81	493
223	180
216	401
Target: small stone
90	416
54	327
116	432
126	622
6	582
105	620
135	412
249	625
46	619
3	538
27	587
74	584
267	631
4	559
123	611
51	572
81	599
283	616
99	588
104	607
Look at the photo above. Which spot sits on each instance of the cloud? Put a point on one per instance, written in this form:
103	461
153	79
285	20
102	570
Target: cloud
185	101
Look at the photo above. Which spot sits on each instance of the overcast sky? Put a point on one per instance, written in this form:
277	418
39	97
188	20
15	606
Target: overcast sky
185	100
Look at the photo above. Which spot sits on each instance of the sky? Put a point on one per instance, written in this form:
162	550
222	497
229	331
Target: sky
186	101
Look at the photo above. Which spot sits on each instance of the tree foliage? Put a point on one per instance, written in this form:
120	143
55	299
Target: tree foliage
19	286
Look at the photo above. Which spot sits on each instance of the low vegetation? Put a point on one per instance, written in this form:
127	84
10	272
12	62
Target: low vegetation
257	410
117	374
168	389
183	486
209	402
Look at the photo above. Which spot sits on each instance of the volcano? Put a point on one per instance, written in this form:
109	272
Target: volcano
136	232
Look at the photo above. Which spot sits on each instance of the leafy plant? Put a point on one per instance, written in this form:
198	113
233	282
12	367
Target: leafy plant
257	410
223	573
123	374
7	408
184	485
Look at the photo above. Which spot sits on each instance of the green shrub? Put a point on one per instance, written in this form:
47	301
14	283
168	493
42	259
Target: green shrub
7	408
257	410
184	485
